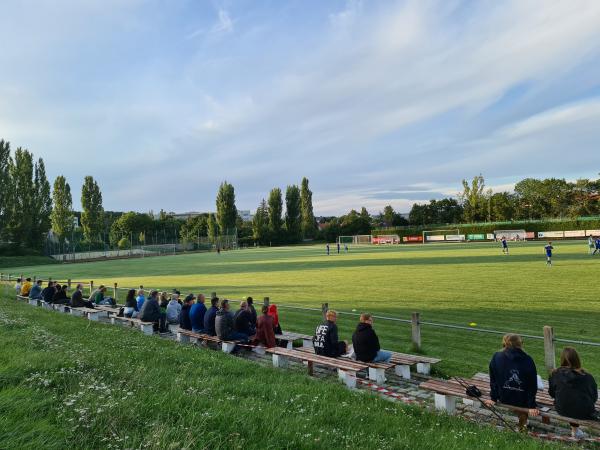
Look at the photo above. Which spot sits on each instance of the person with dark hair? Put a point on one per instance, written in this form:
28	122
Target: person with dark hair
513	378
151	313
210	316
574	390
197	313
26	287
77	300
99	299
130	304
242	320
264	329
252	311
366	343
36	290
18	286
185	320
326	341
224	324
49	291
60	296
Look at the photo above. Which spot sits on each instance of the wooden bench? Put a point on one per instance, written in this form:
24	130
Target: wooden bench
423	362
447	392
184	336
145	327
347	369
289	337
22	297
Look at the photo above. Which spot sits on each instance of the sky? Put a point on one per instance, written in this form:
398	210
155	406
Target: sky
375	102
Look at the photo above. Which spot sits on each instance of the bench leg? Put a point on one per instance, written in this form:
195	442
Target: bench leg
227	347
348	378
445	403
183	338
76	313
470	402
377	375
307	343
33	302
289	345
402	370
94	317
147	329
280	361
47	306
310	367
173	327
424	368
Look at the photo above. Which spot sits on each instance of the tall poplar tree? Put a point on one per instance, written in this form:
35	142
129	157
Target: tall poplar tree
42	205
23	195
293	214
212	227
226	210
309	225
275	210
5	188
92	214
62	212
260	223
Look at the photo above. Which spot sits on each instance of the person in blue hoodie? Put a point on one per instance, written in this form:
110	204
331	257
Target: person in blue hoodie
36	291
513	378
210	316
197	314
141	298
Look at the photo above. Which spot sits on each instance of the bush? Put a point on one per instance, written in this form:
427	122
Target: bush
124	244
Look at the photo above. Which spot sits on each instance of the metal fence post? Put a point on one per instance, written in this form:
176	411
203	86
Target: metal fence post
115	293
416	330
549	351
91	287
213	295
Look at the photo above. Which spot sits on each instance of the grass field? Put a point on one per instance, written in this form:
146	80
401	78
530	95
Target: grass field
447	283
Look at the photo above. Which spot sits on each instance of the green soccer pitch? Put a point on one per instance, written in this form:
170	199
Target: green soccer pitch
470	284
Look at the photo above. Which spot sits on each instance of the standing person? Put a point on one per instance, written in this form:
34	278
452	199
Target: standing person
338	248
366	343
504	246
26	287
346	248
513	378
18	286
242	320
77	300
327	248
548	248
210	316
49	291
224	325
130	304
60	296
591	244
574	390
264	329
151	313
36	290
326	341
174	310
185	321
252	310
197	313
141	298
273	313
597	249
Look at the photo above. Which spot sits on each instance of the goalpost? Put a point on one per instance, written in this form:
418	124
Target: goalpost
452	235
356	239
511	235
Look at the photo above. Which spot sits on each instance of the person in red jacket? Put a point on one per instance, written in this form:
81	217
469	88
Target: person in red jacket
265	334
275	316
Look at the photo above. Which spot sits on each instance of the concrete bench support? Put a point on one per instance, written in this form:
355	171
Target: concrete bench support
33	302
280	361
377	375
77	313
402	370
147	328
183	338
424	368
94	316
348	378
307	343
47	306
227	347
173	327
473	403
445	403
289	345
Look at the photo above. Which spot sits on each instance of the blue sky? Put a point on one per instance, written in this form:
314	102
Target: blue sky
376	102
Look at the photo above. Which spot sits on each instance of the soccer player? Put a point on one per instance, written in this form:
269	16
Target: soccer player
346	248
338	248
591	244
549	249
327	247
597	249
504	245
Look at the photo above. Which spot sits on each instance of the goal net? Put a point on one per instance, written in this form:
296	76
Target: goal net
356	239
450	235
510	235
386	239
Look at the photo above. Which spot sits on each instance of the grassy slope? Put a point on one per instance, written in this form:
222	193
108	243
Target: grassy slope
456	284
6	262
66	382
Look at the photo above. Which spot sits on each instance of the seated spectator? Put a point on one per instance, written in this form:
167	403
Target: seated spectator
197	314
326	341
175	295
26	287
264	329
185	321
210	316
252	311
242	320
49	291
77	300
98	297
513	378
18	286
173	310
141	298
163	302
130	304
275	316
151	313
574	390
36	290
224	324
366	343
60	296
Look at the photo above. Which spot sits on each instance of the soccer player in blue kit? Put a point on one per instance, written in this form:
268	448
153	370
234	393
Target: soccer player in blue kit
548	248
504	245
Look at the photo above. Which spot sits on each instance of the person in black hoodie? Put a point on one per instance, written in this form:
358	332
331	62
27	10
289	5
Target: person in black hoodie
513	378
326	341
210	316
77	300
60	296
185	322
49	291
242	320
366	343
574	390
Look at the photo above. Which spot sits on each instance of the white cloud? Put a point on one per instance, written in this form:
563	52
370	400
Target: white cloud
224	24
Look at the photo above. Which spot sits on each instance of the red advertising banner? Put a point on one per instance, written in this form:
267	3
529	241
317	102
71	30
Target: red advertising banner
412	238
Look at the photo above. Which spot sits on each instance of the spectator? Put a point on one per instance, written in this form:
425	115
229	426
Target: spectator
130	304
163	302
197	314
513	378
98	297
141	298
224	325
175	295
326	341
174	310
18	286
36	290
252	311
26	287
60	296
185	321
574	390
275	316
49	291
264	329
77	300
242	320
366	343
151	313
210	316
